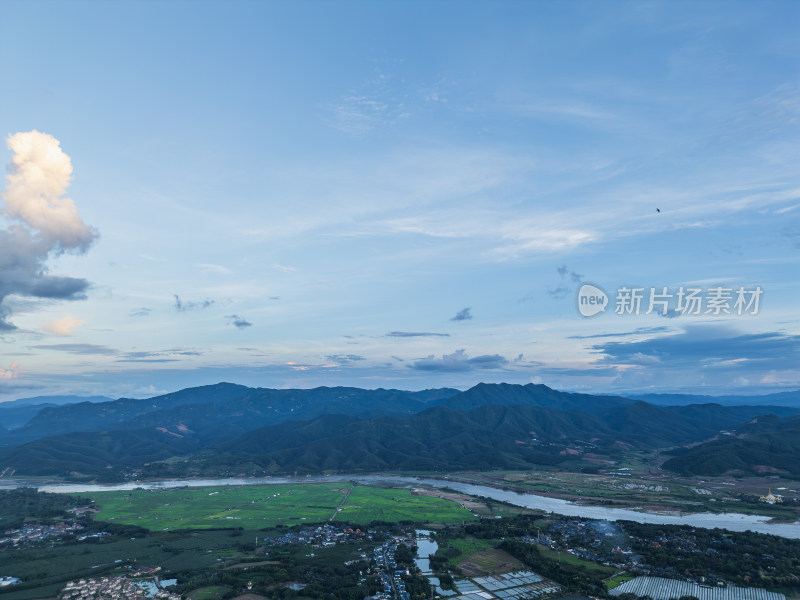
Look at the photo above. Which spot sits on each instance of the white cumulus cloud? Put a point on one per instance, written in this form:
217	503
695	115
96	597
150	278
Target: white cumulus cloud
38	178
40	221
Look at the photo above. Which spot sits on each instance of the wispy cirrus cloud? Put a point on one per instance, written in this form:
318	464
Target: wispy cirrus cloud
344	359
217	269
378	102
568	110
518	242
585	372
168	352
282	268
412	334
83	349
637	331
147	360
158	356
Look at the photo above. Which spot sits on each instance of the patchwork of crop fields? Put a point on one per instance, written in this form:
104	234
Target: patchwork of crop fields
260	506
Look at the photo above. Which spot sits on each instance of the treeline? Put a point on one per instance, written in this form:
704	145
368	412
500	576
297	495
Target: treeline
438	561
21	504
324	580
516	526
574	577
746	558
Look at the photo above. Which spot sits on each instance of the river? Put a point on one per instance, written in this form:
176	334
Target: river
425	547
729	521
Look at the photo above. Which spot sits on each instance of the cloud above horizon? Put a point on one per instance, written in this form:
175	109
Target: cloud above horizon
564	288
344	359
637	331
707	343
43	223
83	349
464	314
183	306
63	326
12	372
238	322
157	356
404	334
459	361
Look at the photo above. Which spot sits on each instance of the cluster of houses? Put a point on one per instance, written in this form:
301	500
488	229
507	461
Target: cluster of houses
322	536
598	541
33	533
384	562
115	588
386	568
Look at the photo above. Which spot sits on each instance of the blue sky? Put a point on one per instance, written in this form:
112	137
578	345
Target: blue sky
395	194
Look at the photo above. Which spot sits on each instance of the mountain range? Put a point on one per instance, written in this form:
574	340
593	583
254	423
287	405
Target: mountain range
226	429
15	413
791	399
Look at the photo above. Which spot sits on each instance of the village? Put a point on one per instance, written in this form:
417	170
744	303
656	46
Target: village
323	536
116	588
383	556
676	553
34	533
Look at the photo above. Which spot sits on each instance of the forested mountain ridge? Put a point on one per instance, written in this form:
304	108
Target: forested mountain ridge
230	428
223	404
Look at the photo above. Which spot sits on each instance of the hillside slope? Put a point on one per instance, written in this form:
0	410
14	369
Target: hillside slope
765	447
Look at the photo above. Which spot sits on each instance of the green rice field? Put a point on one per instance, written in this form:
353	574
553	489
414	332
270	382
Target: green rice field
260	506
367	504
